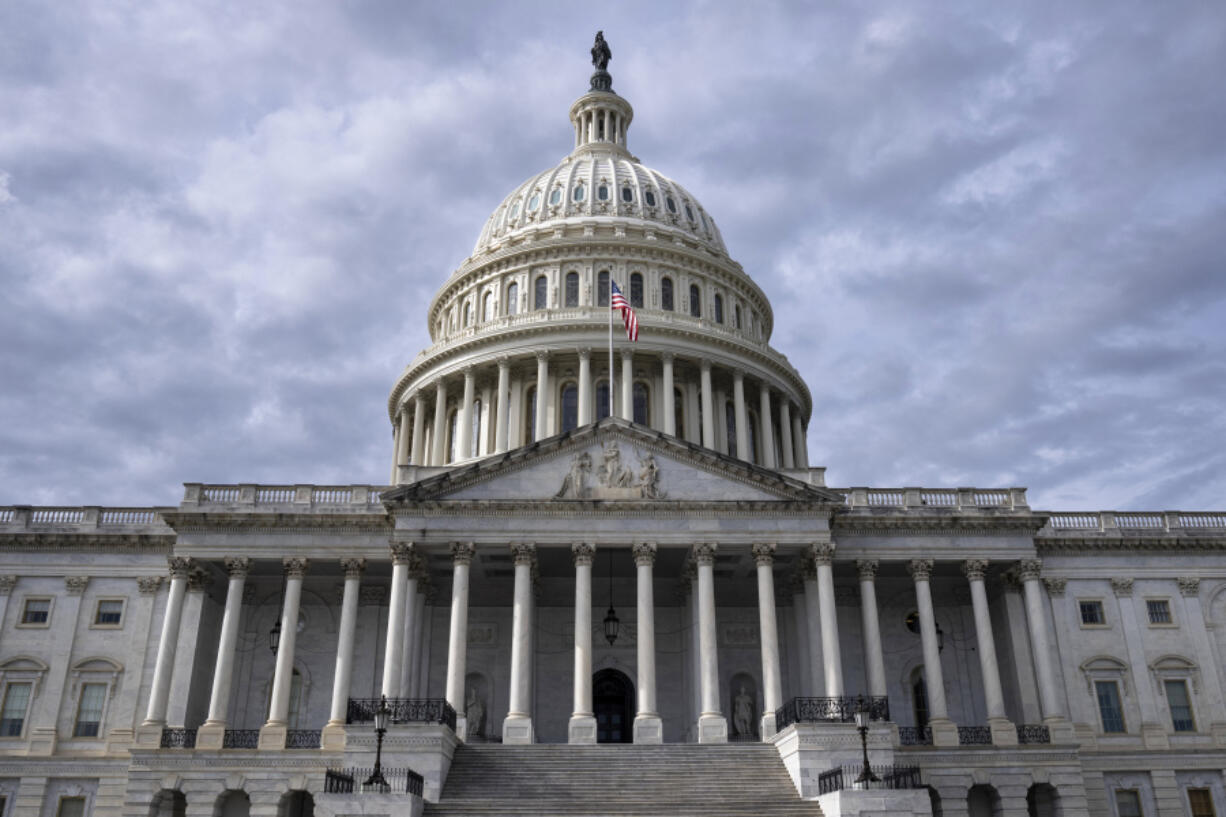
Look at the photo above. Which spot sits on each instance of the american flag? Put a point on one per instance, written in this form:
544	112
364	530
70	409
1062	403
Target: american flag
618	301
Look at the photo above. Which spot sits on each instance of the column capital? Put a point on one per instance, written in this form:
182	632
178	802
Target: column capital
148	585
627	353
237	566
198	579
764	553
7	583
542	356
644	553
808	570
704	553
920	569
704	365
867	568
180	566
1122	587
668	357
504	361
583	553
738	374
440	385
295	567
1029	569
353	568
75	585
975	569
1188	586
1055	585
402	553
822	553
585	354
523	553
462	552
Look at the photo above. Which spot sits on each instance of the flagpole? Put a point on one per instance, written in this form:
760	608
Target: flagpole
611	389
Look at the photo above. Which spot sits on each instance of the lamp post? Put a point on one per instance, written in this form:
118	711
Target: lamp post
376	779
862	720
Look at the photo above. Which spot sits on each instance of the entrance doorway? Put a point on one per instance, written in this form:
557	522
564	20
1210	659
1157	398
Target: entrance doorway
613	702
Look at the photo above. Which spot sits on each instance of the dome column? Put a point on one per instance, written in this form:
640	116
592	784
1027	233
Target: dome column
742	417
785	432
419	429
766	446
542	394
585	387
464	423
502	405
440	424
627	412
708	407
798	439
670	408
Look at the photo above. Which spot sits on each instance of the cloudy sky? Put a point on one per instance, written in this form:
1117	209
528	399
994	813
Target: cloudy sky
988	230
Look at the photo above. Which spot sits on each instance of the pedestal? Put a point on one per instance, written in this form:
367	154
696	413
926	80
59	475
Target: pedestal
1062	731
43	740
210	736
768	725
712	729
1004	732
648	729
149	735
272	736
517	731
333	737
582	729
944	732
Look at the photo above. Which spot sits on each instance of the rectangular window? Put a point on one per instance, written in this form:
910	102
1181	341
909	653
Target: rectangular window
89	711
13	713
36	611
1109	705
1128	803
1181	706
1159	611
1092	612
1201	803
109	613
71	807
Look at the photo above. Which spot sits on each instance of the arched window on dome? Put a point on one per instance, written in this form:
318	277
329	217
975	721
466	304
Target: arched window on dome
475	432
466	321
627	194
695	301
530	415
602	288
737	314
540	292
730	427
719	308
513	299
679	412
555	197
602	399
452	436
572	289
649	196
487	308
641	398
666	294
636	290
570	407
578	193
602	192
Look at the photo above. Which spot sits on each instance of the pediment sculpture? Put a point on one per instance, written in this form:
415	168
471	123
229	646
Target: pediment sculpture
613	479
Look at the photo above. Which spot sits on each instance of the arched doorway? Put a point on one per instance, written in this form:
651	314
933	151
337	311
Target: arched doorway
1042	800
613	704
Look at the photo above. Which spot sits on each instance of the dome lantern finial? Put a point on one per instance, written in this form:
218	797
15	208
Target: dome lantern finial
600	116
601	80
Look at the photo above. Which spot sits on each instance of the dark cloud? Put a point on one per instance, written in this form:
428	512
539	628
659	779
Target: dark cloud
990	234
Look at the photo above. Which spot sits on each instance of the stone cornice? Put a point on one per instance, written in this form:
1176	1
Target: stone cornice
1130	542
229	521
148	543
542	509
930	522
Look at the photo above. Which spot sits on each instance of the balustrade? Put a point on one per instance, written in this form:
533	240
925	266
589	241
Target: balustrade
178	738
403	710
830	710
241	739
345	781
915	735
888	777
1033	733
974	736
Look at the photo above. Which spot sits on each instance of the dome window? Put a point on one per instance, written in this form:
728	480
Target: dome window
540	293
666	294
579	193
602	288
572	289
689	212
650	198
636	290
695	301
534	202
627	194
515	209
602	192
672	205
719	308
556	196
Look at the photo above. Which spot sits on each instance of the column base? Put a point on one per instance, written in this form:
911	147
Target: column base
461	727
712	729
333	737
648	729
517	730
1063	731
149	735
768	726
1004	732
210	736
272	736
944	732
582	729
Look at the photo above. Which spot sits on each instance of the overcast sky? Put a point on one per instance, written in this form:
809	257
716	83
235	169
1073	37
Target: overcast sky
992	233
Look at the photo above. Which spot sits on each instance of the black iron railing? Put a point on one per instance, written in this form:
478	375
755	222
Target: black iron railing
915	735
178	738
888	777
349	781
241	739
826	710
302	739
974	735
1033	733
403	710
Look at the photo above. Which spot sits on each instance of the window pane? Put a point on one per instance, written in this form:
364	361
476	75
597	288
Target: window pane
513	299
1091	612
719	309
1109	706
110	611
636	290
1181	707
71	807
89	713
602	287
695	302
13	716
627	195
1159	611
1201	801
570	407
540	297
488	309
572	289
602	399
737	310
666	294
36	611
640	404
1128	803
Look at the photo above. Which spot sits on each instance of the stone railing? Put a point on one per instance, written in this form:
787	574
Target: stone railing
1139	521
359	497
403	710
884	777
357	781
86	518
831	710
1013	499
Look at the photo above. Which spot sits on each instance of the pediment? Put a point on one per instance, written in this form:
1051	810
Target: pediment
612	461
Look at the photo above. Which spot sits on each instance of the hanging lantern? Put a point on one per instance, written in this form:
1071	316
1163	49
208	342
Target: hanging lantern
611	622
274	637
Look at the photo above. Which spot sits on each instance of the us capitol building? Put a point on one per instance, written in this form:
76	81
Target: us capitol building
608	584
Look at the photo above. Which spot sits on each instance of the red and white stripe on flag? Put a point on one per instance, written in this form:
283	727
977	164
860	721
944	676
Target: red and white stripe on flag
618	301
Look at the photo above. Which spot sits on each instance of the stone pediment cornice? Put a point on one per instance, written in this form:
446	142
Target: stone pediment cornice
436	488
67	541
611	508
278	522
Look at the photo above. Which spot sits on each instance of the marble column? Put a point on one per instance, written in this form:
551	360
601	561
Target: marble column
417	454
1004	732
798	440
395	453
800	626
393	649
742	416
708	406
439	455
417	663
823	556
648	728
772	688
502	403
585	387
333	736
212	731
408	639
540	423
766	445
874	659
669	397
627	412
457	643
1041	639
517	727
712	725
406	436
582	727
944	731
785	432
159	693
464	422
813	625
272	736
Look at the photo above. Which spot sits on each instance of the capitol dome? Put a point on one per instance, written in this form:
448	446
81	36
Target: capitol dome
527	315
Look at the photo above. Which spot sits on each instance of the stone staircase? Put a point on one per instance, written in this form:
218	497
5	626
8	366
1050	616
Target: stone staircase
672	780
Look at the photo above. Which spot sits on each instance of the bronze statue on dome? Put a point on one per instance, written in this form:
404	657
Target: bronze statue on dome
601	53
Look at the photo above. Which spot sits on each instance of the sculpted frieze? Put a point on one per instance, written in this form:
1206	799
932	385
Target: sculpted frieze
612	479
